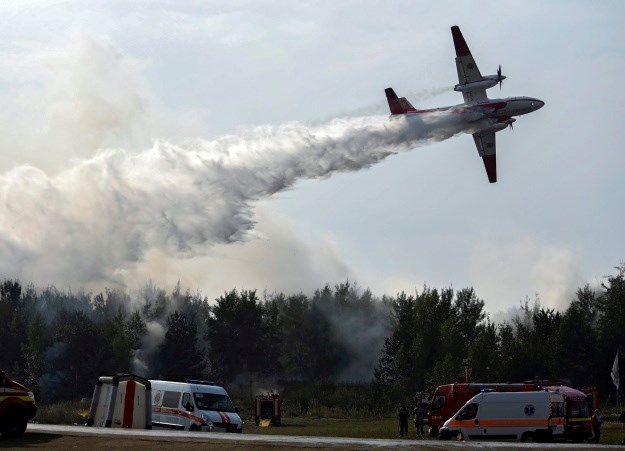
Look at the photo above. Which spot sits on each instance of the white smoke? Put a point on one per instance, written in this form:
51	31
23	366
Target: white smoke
100	216
144	360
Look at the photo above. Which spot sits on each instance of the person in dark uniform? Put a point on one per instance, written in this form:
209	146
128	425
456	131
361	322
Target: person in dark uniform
419	414
403	421
597	421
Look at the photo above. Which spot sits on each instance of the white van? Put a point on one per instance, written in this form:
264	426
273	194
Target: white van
523	416
193	406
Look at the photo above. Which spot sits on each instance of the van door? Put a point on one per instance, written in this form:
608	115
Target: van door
171	401
470	421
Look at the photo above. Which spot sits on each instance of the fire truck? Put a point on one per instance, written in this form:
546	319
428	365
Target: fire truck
17	406
448	399
268	407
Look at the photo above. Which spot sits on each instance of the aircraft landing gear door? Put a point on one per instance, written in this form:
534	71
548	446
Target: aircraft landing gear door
470	422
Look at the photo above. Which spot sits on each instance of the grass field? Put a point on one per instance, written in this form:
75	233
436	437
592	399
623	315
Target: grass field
380	427
329	427
611	433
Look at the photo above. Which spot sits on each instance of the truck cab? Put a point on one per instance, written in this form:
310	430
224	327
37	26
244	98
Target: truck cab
17	407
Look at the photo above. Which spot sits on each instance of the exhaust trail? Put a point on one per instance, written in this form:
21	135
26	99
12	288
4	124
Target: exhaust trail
98	217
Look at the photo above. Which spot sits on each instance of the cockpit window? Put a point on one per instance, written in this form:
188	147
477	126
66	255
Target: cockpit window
578	410
469	412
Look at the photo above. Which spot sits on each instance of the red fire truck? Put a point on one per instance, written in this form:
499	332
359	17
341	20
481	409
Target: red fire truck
17	406
447	400
268	407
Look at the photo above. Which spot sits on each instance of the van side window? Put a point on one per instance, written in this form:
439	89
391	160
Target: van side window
469	412
557	409
171	399
186	400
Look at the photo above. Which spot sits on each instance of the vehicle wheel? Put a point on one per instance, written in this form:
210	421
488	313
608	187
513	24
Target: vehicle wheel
527	437
13	426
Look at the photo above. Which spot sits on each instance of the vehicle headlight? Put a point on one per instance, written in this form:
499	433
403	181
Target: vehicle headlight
32	395
207	419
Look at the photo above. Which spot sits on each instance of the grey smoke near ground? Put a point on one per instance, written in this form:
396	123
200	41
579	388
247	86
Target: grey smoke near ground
144	360
100	216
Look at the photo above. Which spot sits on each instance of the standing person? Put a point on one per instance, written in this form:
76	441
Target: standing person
597	421
419	413
403	421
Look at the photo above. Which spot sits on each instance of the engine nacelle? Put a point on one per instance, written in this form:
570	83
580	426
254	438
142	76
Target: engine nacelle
482	84
487	81
502	124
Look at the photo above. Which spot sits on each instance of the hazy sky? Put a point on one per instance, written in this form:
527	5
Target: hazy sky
246	144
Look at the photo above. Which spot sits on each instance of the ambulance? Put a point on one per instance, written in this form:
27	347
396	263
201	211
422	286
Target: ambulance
193	405
520	416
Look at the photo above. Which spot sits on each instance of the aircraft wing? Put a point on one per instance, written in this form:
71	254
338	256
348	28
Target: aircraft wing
486	147
467	69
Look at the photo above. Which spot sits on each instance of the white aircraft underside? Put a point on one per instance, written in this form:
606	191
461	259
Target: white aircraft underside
473	85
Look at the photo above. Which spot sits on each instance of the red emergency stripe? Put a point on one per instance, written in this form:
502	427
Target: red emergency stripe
224	417
179	412
129	404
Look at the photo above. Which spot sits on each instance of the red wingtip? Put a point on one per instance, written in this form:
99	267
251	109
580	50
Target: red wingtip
462	49
490	163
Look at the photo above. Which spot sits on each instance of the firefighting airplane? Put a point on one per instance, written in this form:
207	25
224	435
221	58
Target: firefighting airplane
473	85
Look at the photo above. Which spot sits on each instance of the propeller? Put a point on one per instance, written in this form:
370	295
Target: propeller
500	77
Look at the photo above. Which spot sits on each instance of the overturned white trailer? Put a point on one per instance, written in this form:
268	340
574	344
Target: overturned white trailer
121	401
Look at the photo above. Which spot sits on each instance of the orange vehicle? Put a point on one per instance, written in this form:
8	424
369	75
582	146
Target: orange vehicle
17	406
447	399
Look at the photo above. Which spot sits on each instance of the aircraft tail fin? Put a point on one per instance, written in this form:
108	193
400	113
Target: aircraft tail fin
398	105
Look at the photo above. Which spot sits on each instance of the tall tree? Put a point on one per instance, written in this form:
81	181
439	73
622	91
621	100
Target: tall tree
12	326
236	337
181	357
578	337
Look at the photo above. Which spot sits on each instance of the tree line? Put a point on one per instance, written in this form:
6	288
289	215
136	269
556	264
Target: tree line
59	343
439	335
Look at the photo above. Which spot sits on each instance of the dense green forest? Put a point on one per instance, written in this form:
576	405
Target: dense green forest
379	350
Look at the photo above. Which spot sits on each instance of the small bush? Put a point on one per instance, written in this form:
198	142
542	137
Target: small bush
63	413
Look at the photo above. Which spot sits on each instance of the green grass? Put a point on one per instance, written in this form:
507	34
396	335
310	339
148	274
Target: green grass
330	427
63	413
72	413
611	433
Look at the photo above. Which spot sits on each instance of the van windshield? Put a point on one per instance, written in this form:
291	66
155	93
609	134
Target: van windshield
438	402
211	401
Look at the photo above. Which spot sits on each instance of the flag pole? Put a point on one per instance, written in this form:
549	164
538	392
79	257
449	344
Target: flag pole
615	374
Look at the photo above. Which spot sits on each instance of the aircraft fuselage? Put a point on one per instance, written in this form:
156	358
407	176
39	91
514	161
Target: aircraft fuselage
493	108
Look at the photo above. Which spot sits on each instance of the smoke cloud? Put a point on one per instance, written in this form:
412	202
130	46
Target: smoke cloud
90	222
